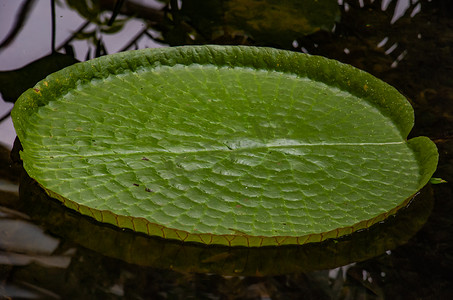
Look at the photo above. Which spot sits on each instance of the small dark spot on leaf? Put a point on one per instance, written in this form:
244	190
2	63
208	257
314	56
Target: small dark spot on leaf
136	184
238	206
144	158
36	90
148	190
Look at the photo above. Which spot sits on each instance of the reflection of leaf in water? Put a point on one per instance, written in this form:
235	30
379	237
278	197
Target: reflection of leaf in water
14	83
281	21
265	21
92	10
8	172
114	28
88	9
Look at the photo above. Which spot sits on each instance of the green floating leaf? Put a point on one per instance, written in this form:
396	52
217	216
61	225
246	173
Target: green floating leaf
237	146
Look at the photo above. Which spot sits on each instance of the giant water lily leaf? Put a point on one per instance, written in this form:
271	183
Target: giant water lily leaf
223	145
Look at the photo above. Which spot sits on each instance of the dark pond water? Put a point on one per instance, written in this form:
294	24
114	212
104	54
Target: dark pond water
48	252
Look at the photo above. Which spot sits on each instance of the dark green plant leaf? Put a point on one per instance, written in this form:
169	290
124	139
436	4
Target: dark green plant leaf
87	9
223	145
14	83
267	22
115	28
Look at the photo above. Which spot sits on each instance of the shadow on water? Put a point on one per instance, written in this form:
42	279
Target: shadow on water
48	252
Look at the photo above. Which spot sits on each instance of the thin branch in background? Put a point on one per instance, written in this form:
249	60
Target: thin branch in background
87	57
153	38
69	50
134	40
20	21
116	10
5	116
72	37
175	11
100	48
52	9
137	37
